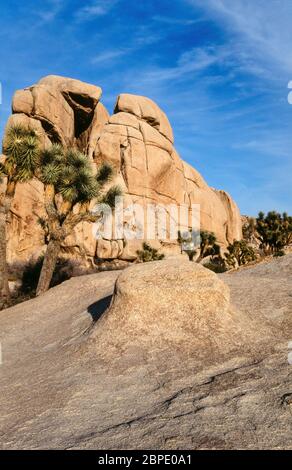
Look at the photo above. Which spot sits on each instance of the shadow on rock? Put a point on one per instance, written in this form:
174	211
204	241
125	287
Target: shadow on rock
97	309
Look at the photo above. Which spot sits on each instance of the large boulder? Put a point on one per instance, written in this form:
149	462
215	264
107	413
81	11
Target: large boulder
138	140
174	308
61	390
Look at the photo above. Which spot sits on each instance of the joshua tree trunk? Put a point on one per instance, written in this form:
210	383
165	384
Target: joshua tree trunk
4	287
5	204
49	265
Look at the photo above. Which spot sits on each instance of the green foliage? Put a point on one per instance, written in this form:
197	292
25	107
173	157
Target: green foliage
149	254
249	230
22	153
208	245
239	253
274	231
64	270
70	173
104	174
110	196
279	253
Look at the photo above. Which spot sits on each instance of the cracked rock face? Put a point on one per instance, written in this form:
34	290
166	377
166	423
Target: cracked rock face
64	385
138	140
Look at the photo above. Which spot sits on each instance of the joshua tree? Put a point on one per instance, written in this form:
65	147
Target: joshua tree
274	231
70	186
239	253
249	230
208	245
21	157
149	254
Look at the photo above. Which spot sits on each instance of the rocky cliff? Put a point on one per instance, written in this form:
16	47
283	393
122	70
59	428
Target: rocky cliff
137	139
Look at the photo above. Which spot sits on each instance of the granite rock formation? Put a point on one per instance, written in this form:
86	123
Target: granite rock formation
138	140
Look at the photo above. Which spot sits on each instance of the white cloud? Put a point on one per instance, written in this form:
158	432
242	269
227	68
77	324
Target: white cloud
261	30
194	61
109	55
94	9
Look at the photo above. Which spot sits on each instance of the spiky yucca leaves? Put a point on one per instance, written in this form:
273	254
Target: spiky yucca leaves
208	245
274	231
70	185
239	253
104	173
71	174
22	152
148	253
110	196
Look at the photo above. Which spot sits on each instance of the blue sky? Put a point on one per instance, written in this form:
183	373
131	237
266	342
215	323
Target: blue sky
219	68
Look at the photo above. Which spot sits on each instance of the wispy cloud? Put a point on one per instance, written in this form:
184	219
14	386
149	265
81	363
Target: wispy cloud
219	69
50	10
94	9
108	56
193	61
170	20
143	37
262	29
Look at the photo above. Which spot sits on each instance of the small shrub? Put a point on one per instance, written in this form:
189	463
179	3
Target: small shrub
148	254
239	253
279	253
30	276
207	244
26	276
64	270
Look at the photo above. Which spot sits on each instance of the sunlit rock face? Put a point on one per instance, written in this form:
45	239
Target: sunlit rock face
138	140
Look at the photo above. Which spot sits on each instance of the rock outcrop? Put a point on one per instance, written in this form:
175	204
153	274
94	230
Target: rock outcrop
227	387
138	140
172	305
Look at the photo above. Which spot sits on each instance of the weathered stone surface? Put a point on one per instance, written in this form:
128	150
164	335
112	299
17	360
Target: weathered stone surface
138	141
22	102
169	305
59	391
146	110
28	239
152	170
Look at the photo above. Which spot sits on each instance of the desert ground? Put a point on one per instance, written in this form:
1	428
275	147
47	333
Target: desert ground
80	372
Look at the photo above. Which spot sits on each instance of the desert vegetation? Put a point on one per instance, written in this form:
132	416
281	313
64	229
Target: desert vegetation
148	253
21	156
265	235
272	232
70	186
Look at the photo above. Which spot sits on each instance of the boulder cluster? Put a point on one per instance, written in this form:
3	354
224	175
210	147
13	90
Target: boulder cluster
137	140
